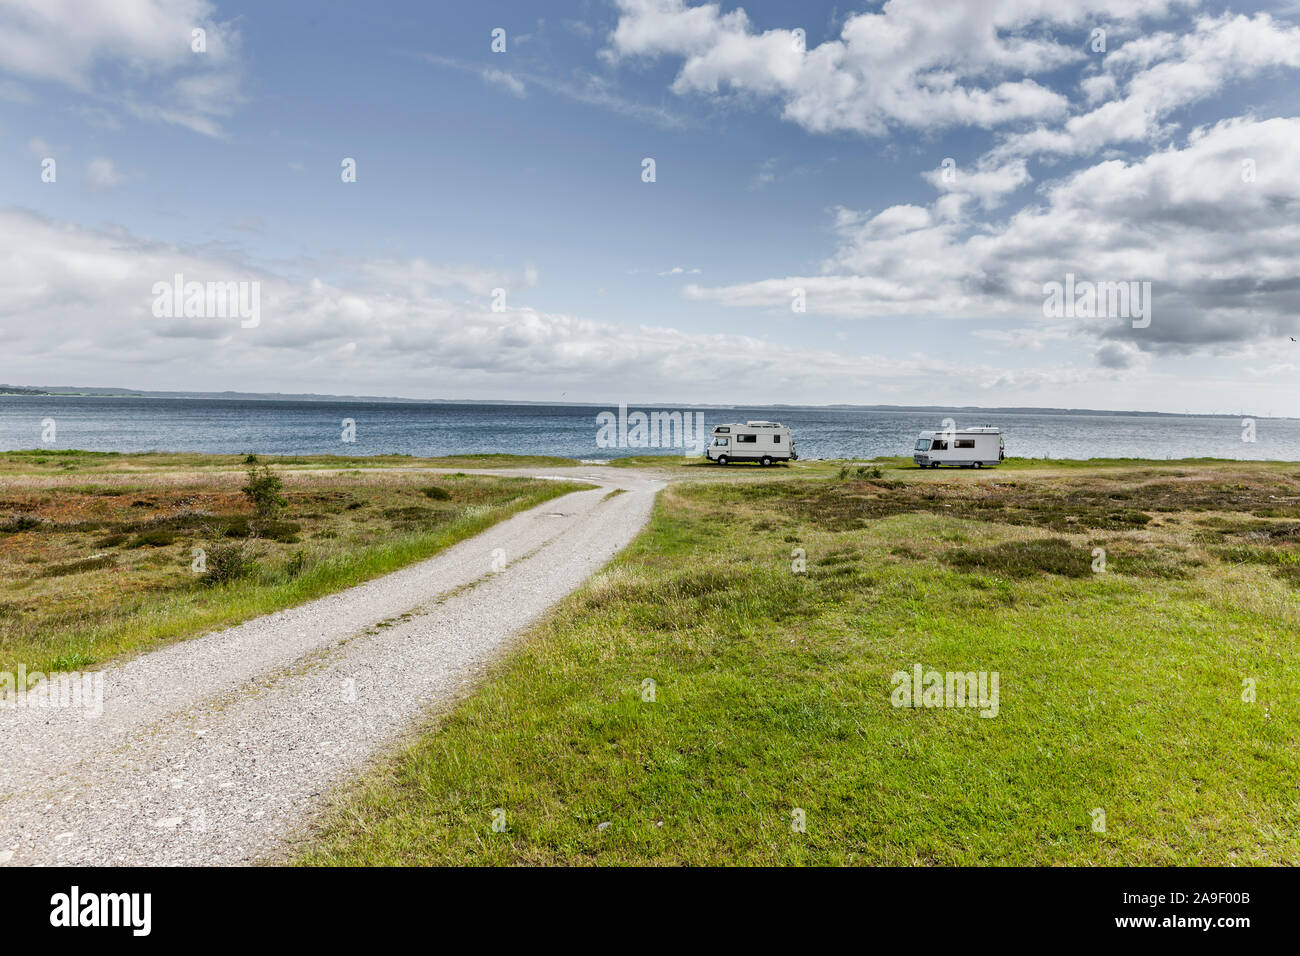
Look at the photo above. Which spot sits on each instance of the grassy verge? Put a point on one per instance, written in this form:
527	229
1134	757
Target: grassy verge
93	570
1162	693
824	467
43	461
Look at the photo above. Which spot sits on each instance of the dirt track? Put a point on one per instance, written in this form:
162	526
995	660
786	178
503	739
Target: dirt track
214	750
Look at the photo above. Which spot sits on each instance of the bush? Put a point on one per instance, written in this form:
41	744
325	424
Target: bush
229	561
1023	559
153	539
15	523
286	532
861	472
75	567
263	490
295	565
436	493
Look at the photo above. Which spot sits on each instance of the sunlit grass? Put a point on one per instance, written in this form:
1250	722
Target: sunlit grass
1120	692
53	461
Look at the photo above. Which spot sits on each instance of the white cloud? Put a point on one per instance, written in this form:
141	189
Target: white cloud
418	279
1222	252
506	81
135	53
1035	338
410	328
1160	73
102	174
909	65
577	85
1119	355
988	182
762	179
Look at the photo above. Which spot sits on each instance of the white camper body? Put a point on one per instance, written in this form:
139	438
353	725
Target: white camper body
965	447
763	442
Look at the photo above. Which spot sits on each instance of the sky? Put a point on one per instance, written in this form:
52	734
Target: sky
863	203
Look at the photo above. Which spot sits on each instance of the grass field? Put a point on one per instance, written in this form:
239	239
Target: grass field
1147	713
97	552
56	462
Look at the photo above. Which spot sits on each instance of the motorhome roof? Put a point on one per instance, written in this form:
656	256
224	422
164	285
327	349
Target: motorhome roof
730	425
980	430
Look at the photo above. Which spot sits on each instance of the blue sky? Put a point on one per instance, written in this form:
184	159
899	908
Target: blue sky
776	170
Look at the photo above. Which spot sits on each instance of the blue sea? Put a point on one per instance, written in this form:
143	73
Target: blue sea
237	426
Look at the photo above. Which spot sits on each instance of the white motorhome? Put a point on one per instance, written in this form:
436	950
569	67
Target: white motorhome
965	447
763	442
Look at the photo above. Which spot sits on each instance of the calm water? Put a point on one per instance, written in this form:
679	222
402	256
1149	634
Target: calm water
288	427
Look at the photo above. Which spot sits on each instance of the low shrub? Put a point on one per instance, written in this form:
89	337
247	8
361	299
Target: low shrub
229	561
264	491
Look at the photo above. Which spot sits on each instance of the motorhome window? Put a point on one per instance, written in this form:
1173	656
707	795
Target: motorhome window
776	439
964	443
722	430
923	444
747	438
939	444
719	441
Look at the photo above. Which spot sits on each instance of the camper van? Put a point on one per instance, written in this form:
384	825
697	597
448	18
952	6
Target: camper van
763	442
965	447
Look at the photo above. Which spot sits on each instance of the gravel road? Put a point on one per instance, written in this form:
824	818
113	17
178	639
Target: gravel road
214	750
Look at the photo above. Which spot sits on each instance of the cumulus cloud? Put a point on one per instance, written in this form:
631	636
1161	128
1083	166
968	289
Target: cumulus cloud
136	54
1214	226
1149	77
987	182
1118	355
975	65
905	66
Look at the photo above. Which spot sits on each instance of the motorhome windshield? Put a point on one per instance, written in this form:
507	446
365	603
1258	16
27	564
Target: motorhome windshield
923	444
720	441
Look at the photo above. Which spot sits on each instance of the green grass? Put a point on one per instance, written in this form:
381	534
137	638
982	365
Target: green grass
92	572
40	461
1120	691
672	459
